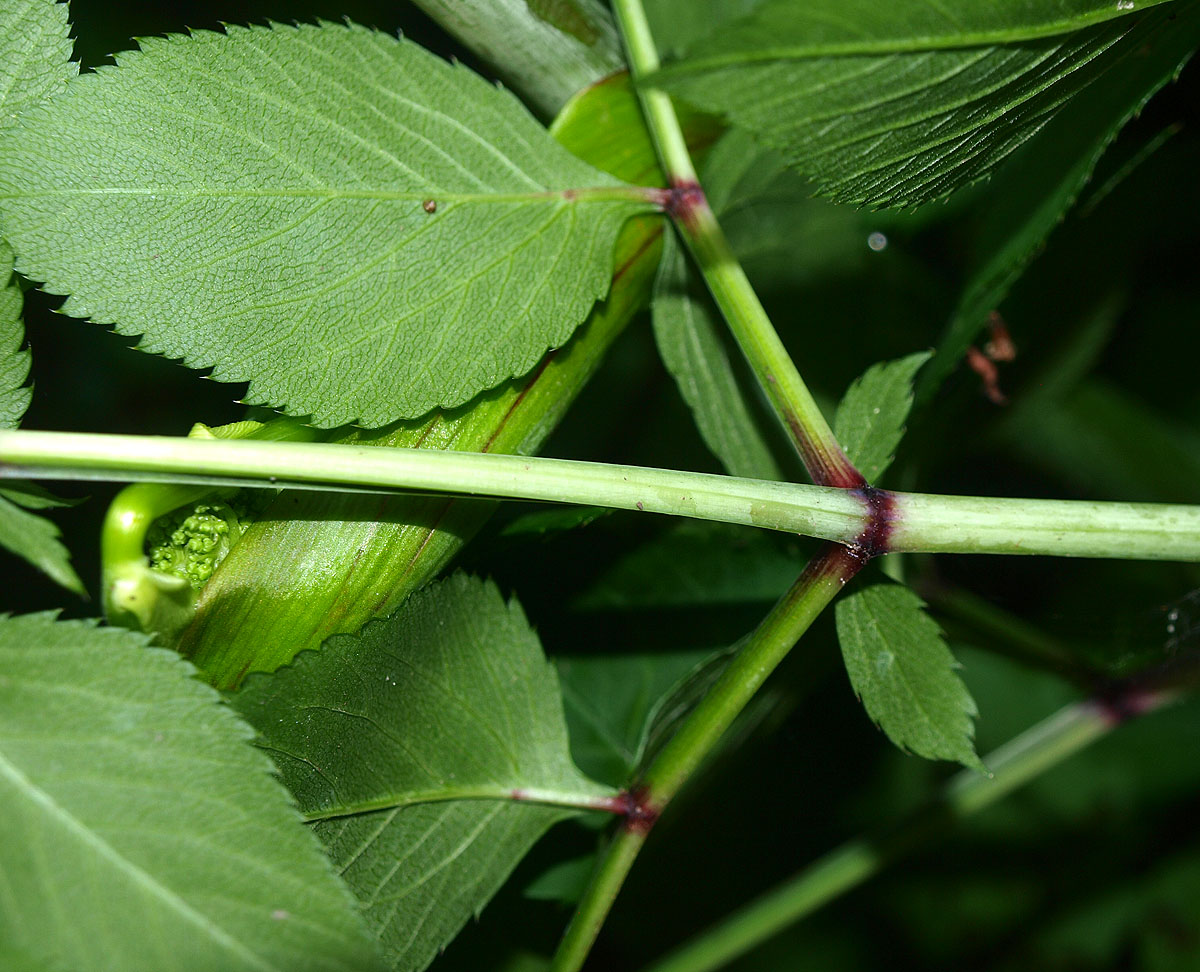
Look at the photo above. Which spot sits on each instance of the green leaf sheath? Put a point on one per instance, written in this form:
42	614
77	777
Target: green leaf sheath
906	112
433	750
870	418
902	670
545	50
1042	181
357	228
140	830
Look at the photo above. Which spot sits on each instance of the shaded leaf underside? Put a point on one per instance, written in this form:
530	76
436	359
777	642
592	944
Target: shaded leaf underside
907	124
261	203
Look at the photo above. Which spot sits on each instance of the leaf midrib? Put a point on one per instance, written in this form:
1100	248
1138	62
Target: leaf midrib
587	194
800	52
496	792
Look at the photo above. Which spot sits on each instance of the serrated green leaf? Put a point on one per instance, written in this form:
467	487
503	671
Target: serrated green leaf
1041	183
34	496
870	419
140	829
262	202
35	55
901	669
14	361
30	537
36	540
433	753
899	104
687	331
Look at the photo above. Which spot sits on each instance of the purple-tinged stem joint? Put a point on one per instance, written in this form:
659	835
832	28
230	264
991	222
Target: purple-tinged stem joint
875	538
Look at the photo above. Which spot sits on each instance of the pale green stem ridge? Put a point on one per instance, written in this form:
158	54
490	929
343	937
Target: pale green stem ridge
917	522
831	514
768	358
1063	528
1036	750
820	582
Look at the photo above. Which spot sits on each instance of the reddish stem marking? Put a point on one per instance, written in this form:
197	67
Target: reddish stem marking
875	538
640	814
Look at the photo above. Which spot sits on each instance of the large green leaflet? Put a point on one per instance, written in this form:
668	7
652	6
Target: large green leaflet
141	831
431	750
898	104
357	228
902	670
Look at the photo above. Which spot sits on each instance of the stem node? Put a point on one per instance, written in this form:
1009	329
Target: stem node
875	538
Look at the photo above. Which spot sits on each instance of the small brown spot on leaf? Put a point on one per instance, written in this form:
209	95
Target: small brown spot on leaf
429	205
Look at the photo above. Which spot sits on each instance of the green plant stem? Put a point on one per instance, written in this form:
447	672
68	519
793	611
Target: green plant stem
1030	754
820	582
813	510
911	522
793	403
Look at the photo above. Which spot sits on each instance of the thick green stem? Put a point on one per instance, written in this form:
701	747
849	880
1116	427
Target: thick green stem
1035	751
874	521
821	580
827	464
813	510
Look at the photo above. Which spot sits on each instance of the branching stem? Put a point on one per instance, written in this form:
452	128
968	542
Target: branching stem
821	580
685	201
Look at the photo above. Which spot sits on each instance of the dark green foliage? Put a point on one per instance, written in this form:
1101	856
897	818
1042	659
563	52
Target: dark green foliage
403	744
